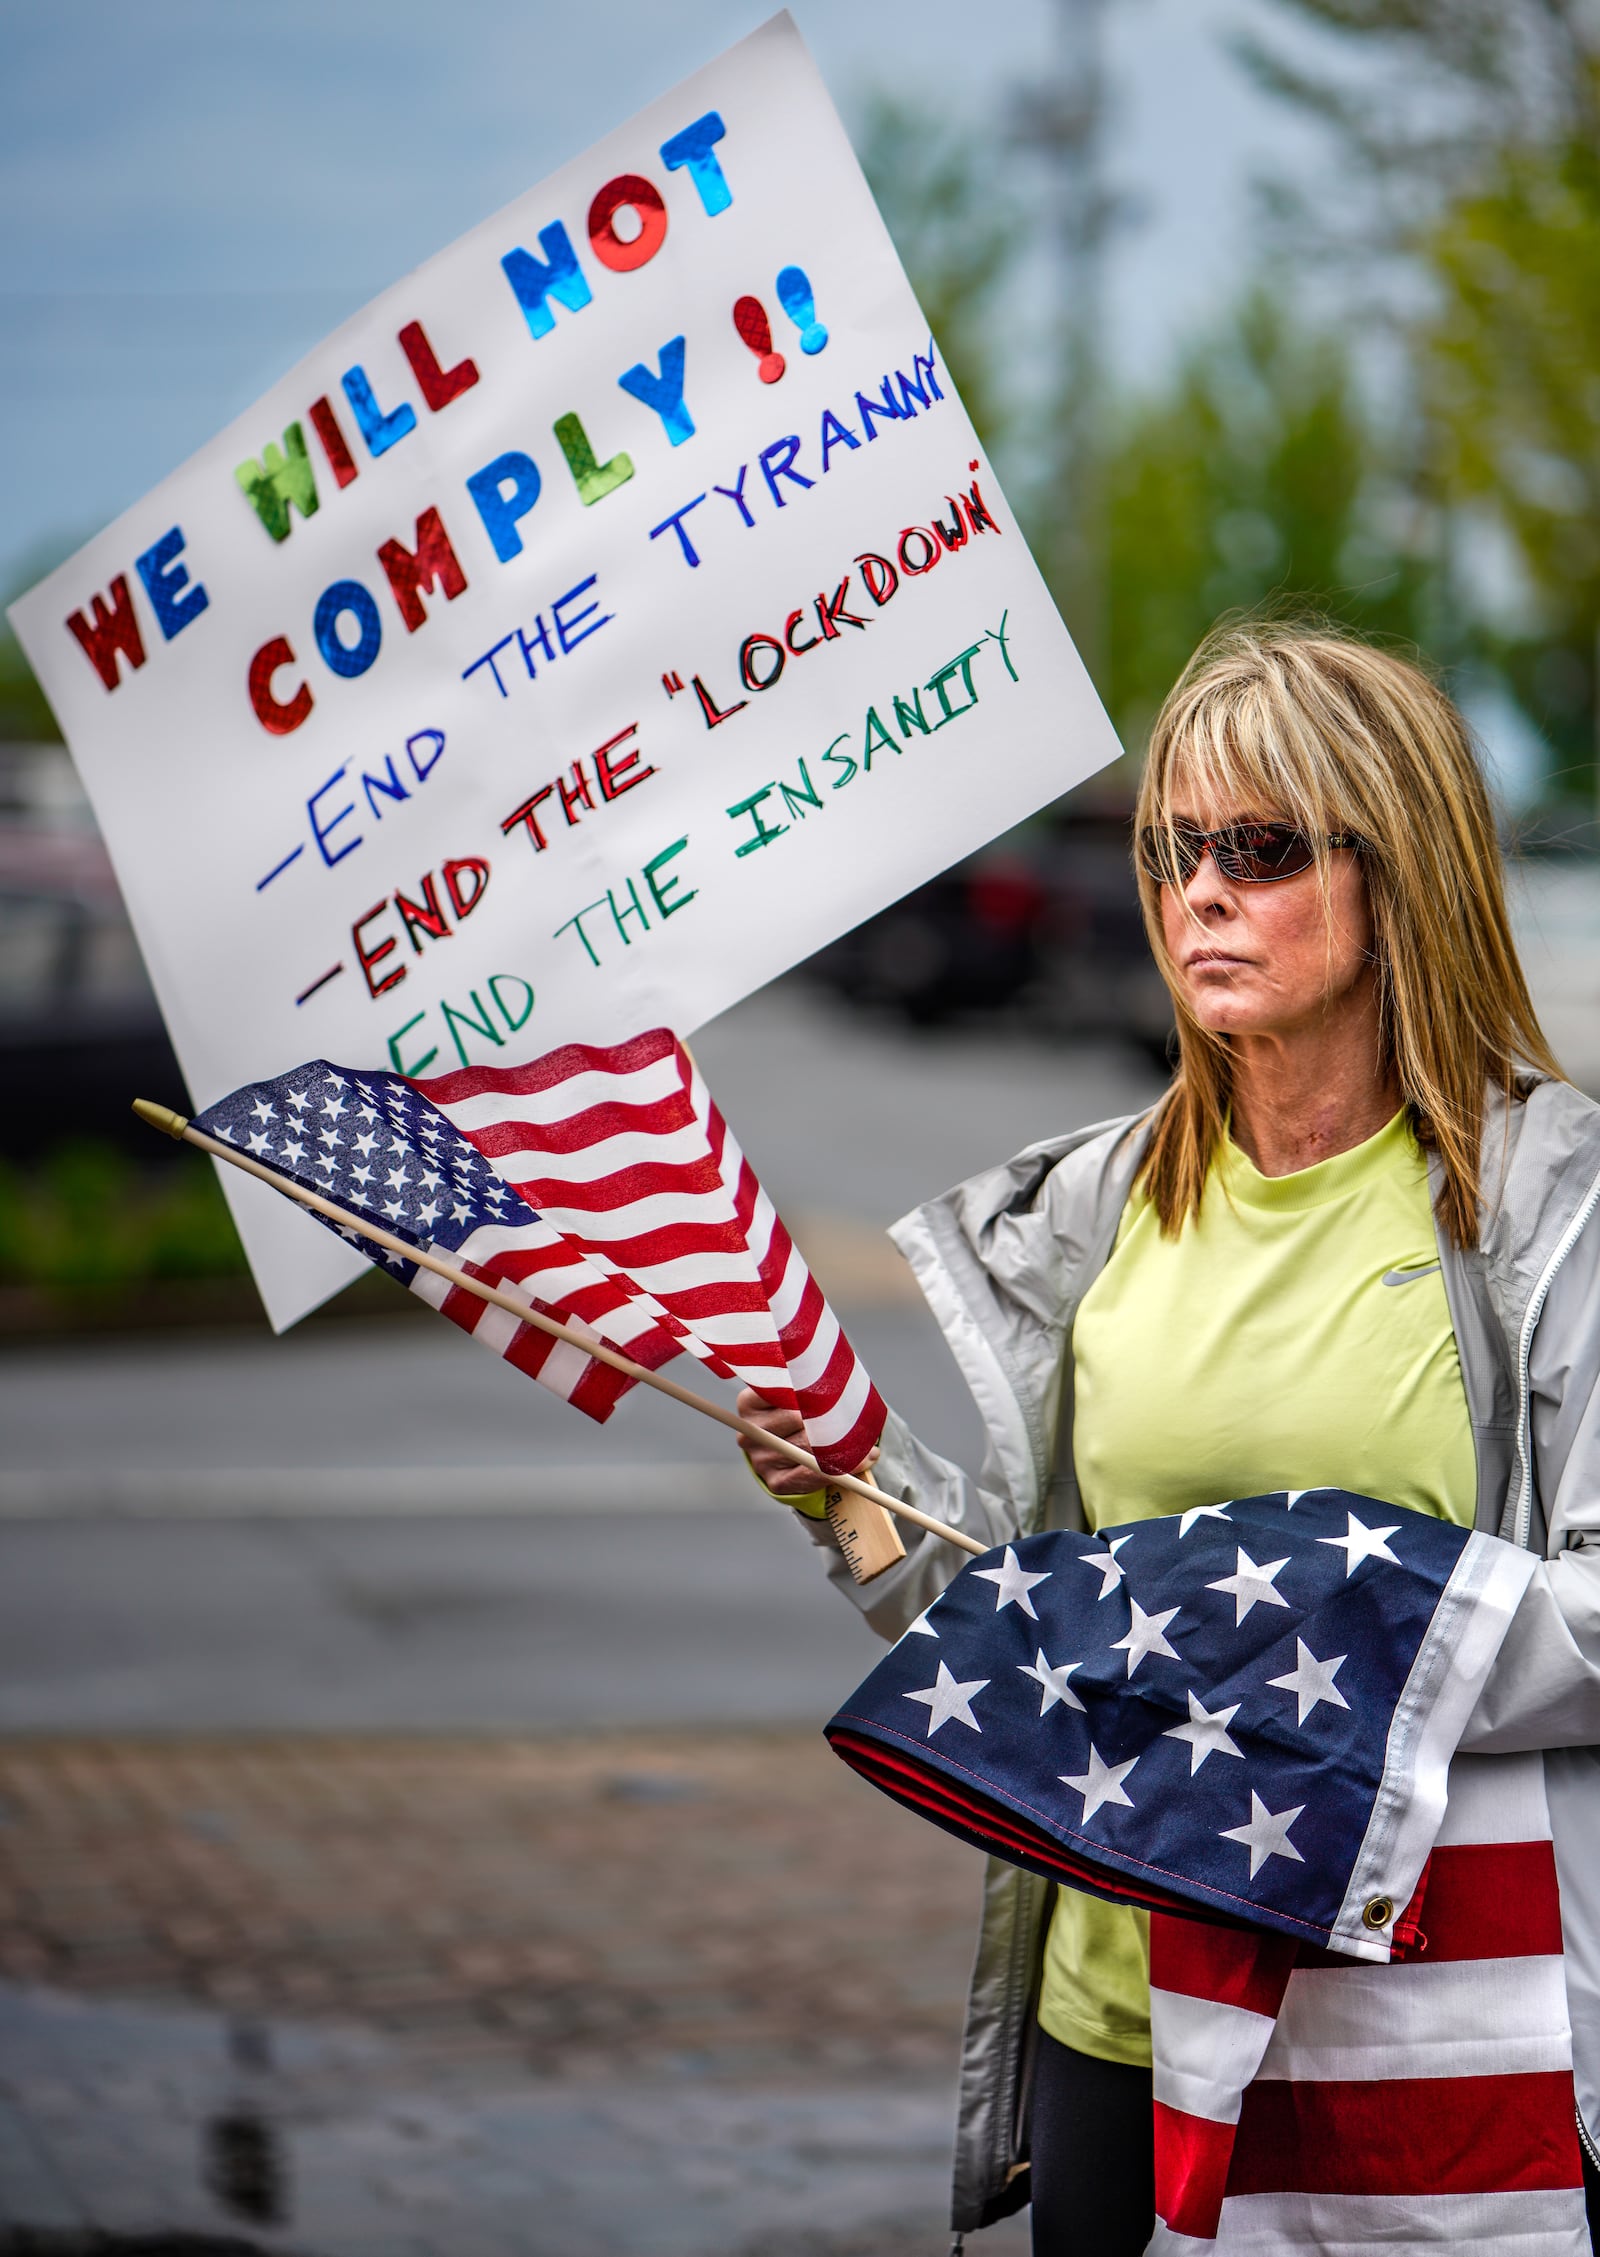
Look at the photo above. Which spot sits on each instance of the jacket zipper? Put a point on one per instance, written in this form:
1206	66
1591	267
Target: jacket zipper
1522	1526
1586	2141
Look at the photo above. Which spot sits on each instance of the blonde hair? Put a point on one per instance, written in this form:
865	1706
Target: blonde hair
1305	724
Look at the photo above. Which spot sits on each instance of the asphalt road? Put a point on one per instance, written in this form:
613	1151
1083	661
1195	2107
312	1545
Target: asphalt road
384	1528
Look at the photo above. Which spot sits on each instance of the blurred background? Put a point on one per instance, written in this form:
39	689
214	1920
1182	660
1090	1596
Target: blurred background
413	1834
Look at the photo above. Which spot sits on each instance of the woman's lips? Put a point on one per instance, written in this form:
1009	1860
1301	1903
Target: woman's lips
1210	959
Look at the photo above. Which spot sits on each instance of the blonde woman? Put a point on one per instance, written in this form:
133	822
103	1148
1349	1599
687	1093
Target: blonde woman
1355	1245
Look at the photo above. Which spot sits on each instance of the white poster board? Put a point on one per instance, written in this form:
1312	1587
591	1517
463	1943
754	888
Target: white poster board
611	614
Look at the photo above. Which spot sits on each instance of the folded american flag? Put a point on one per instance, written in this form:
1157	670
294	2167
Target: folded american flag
1307	2102
601	1185
1243	1718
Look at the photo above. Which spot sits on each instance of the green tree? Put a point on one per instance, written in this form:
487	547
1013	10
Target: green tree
1253	477
25	715
1509	367
1470	131
958	231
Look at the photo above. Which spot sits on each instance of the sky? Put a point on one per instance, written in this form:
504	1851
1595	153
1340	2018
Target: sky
195	192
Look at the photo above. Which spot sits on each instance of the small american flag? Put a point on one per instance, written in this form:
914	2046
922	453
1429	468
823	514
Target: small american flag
1243	1717
600	1185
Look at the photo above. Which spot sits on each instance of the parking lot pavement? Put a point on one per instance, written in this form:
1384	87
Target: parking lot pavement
617	1993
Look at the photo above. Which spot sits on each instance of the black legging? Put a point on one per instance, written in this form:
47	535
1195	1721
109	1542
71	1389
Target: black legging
1094	2158
1094	2180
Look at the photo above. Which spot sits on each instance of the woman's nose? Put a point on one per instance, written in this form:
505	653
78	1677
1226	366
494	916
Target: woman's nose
1207	888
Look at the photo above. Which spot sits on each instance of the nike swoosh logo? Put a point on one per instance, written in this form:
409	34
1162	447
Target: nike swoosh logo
1409	1277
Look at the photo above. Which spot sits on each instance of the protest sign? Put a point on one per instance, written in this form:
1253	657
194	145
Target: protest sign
612	613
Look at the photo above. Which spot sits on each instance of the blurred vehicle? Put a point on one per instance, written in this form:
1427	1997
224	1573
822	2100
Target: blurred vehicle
1042	925
80	1031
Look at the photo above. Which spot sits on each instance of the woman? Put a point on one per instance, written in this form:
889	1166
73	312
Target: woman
1353	1246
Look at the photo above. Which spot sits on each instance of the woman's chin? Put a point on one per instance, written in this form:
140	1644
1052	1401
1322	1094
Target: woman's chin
1226	1014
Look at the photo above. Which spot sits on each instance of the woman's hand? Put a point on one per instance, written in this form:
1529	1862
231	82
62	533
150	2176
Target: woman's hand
778	1473
770	1467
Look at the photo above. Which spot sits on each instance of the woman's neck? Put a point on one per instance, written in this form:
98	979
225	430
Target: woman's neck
1304	1093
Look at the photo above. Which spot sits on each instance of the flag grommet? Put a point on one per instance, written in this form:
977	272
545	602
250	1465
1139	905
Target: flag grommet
1378	1913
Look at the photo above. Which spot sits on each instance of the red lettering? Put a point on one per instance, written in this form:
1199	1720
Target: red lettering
371	957
710	708
747	661
579	795
477	871
414	573
879	577
789	627
439	385
629	191
426	917
527	814
831	610
977	511
326	425
614	773
954	535
115	631
279	717
931	551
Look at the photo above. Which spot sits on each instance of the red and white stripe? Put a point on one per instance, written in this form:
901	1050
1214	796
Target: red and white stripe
624	1155
1305	2101
577	1292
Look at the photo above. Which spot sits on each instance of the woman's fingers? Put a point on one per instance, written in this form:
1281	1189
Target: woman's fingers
775	1471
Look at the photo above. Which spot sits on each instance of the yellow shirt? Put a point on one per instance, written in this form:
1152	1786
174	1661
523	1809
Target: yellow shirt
1294	1335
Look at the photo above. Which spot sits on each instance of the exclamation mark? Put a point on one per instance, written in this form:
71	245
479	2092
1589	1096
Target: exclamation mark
794	295
750	319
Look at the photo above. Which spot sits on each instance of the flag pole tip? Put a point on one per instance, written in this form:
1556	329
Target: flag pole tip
160	1116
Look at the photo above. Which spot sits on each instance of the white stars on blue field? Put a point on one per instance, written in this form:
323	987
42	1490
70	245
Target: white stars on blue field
372	1144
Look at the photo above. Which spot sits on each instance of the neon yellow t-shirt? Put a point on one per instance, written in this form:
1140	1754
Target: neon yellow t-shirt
1294	1335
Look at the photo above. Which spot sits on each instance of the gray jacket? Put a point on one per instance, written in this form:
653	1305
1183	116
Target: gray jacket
1005	1261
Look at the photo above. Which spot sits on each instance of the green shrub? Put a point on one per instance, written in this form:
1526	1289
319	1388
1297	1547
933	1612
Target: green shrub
86	1215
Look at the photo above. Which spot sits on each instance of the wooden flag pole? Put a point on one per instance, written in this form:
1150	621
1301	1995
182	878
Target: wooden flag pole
174	1125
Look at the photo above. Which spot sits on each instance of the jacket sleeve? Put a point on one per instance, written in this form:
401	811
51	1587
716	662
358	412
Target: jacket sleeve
908	1469
999	1260
1544	1689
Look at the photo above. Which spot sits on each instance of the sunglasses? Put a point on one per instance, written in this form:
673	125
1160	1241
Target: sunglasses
1251	854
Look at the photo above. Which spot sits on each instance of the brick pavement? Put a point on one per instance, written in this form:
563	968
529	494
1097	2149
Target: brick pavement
638	1991
582	1907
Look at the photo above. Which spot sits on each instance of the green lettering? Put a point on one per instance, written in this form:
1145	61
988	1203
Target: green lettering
939	684
281	479
575	924
798	797
881	741
594	480
998	635
482	1024
395	1040
765	832
843	760
512	979
659	893
909	716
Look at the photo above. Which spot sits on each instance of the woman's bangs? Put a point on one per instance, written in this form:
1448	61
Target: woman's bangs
1220	761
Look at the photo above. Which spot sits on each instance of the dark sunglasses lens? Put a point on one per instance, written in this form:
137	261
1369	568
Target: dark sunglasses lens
1170	858
1256	853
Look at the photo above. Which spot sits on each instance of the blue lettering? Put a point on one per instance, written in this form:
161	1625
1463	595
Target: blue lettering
500	510
693	147
536	282
663	392
164	581
321	831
